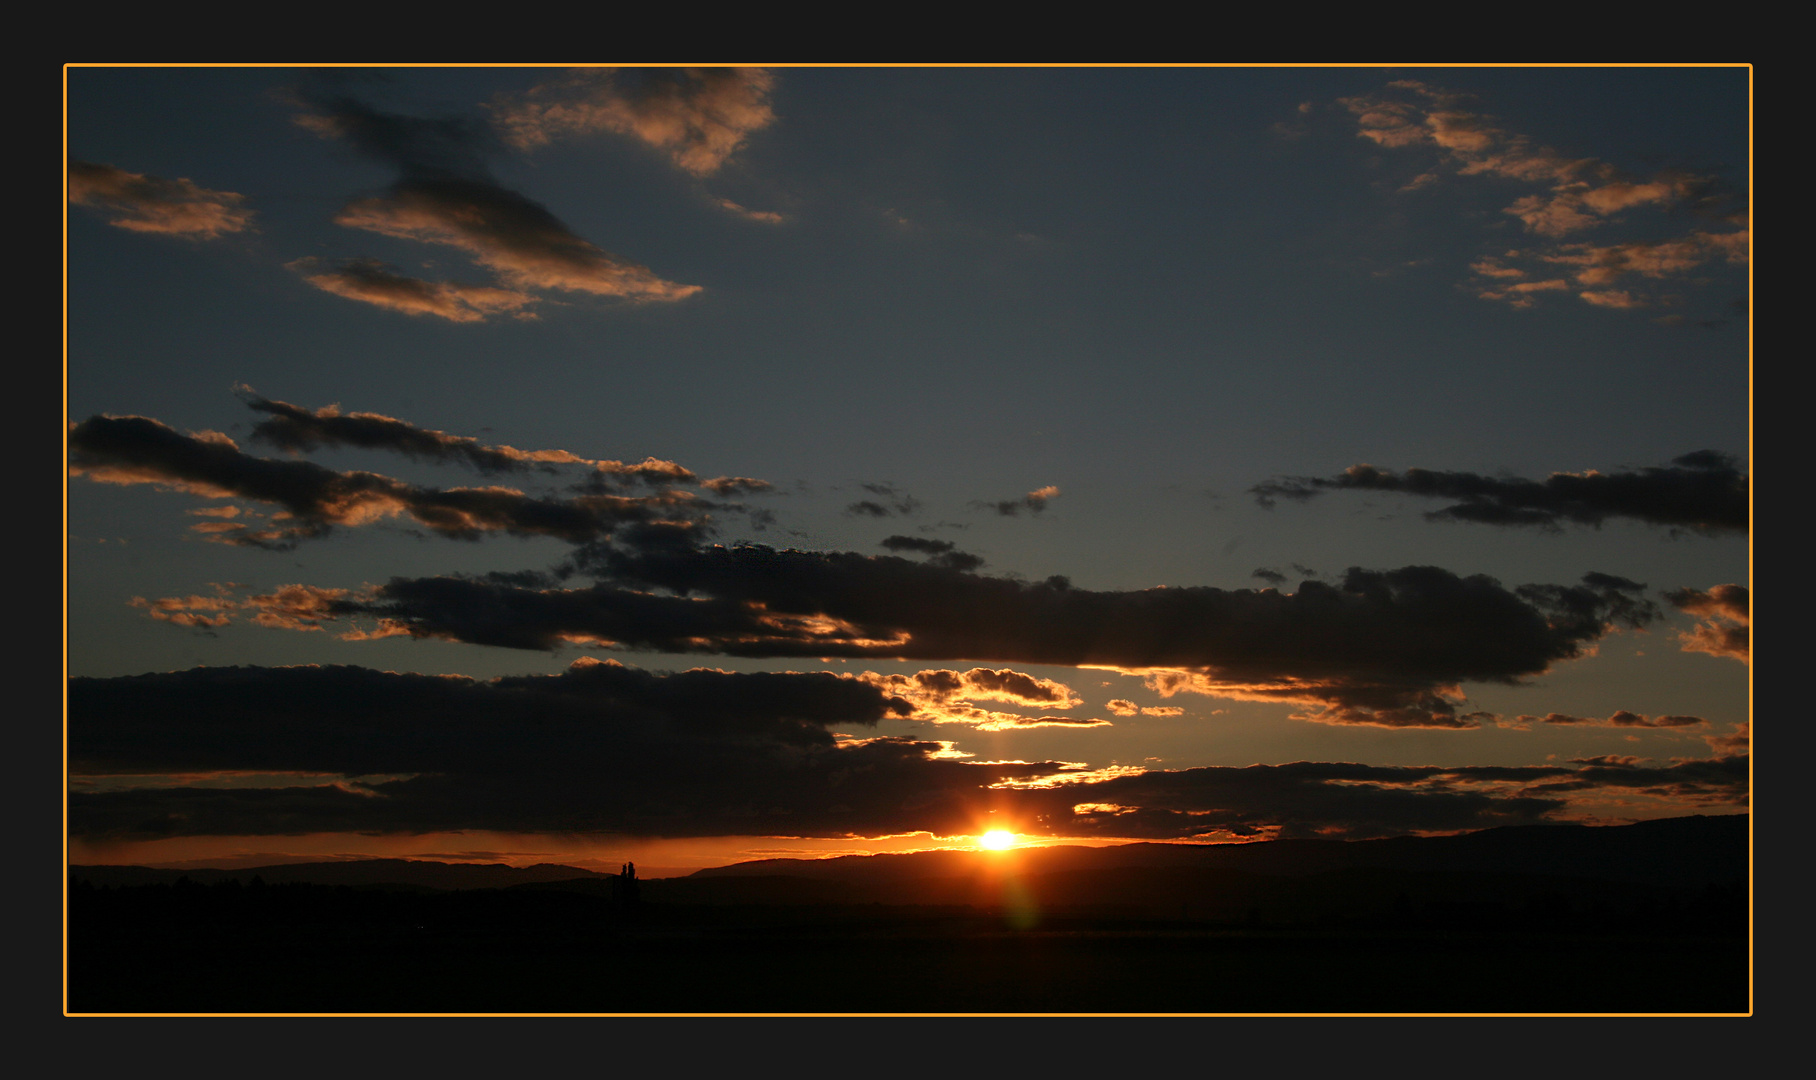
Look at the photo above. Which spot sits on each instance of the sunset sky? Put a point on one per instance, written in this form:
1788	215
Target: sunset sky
687	466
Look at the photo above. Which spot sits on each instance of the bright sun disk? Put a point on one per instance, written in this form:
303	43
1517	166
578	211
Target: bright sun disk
997	840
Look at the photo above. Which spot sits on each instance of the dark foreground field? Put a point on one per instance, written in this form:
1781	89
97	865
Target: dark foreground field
1055	935
896	962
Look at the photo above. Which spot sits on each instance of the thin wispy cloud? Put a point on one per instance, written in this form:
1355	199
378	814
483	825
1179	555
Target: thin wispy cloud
1704	491
291	427
372	282
152	204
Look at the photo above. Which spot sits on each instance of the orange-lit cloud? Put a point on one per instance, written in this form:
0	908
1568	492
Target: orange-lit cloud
1603	264
941	696
446	195
516	238
1125	707
152	204
197	612
1580	193
699	117
768	217
1738	741
370	281
1725	626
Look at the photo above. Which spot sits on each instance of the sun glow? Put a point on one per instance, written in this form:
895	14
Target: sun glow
997	840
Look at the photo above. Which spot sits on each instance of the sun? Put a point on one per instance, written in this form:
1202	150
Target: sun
997	840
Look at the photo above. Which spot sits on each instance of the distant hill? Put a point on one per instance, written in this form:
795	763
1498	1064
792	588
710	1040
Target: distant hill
408	873
1678	853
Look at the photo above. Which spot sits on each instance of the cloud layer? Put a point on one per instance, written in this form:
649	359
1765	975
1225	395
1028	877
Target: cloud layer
1380	647
605	749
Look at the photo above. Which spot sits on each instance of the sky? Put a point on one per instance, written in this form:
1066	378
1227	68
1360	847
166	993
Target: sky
697	465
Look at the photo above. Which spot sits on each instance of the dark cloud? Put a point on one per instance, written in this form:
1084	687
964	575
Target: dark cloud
1382	647
151	204
313	499
603	748
897	503
293	428
1725	620
1272	577
1704	491
1619	718
1352	802
943	552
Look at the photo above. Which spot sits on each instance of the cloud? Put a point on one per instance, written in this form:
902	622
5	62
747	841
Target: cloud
313	499
196	612
445	195
1579	194
941	552
1726	620
372	282
1125	707
1034	502
1603	264
528	247
1345	801
291	427
1380	647
736	485
601	748
699	117
1736	742
1704	491
152	204
607	749
768	217
1619	718
899	503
